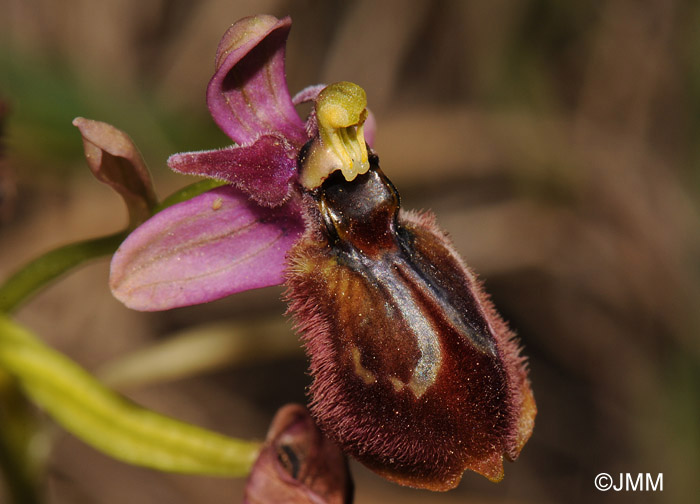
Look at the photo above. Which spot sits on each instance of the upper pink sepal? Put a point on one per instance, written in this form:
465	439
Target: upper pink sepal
248	94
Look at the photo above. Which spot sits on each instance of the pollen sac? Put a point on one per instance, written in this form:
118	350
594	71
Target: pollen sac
415	374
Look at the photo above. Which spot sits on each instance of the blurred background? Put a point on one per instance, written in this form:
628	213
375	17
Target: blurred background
557	142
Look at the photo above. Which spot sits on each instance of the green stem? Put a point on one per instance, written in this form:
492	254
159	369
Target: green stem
45	268
112	424
17	425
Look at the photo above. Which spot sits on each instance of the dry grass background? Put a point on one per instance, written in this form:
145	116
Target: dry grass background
556	141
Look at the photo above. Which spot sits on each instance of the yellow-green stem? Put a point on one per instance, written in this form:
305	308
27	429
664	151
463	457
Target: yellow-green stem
111	423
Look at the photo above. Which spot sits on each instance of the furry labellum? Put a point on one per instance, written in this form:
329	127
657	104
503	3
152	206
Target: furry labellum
415	374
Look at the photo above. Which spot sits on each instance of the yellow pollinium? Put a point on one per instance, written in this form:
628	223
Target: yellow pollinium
341	112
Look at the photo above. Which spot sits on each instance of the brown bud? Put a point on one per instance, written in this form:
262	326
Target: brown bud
415	374
114	159
298	464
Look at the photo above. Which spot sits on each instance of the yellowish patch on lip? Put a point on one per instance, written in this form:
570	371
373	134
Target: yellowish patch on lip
367	376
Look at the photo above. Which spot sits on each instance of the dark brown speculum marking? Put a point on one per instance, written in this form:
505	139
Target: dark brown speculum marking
407	354
360	216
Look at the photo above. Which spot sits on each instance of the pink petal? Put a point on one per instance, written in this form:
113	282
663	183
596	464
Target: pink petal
206	248
370	128
262	170
248	94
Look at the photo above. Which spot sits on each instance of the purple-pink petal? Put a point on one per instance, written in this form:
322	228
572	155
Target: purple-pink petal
248	94
263	170
370	128
203	249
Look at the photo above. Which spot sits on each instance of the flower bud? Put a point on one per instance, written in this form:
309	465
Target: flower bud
298	465
114	159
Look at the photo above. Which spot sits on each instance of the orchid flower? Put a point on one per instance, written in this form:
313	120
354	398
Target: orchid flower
297	464
415	374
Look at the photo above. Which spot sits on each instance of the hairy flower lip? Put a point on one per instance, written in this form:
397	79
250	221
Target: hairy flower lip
387	314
